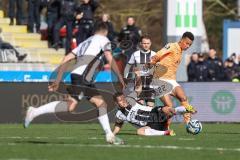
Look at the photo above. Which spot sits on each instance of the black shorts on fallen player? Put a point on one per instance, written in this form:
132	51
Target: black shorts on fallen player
157	120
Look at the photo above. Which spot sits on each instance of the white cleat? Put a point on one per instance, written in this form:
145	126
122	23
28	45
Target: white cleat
29	117
112	139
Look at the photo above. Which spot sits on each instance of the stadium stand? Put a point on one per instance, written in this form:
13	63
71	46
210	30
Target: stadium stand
39	56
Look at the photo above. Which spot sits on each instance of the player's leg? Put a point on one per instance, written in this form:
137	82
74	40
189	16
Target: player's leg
167	101
148	131
103	119
52	107
181	96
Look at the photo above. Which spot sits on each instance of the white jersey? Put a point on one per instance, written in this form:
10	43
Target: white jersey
139	59
89	50
137	115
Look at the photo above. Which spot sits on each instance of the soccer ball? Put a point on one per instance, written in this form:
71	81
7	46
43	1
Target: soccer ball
194	127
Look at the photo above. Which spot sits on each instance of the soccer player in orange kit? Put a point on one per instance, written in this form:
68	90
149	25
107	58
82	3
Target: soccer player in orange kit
166	62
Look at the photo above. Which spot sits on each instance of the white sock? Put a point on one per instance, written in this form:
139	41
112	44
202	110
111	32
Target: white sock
52	107
180	110
153	132
104	121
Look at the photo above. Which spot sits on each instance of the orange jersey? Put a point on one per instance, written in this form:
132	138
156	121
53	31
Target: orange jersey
168	60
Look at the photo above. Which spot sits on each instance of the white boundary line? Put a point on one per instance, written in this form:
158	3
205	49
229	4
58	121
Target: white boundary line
90	138
134	146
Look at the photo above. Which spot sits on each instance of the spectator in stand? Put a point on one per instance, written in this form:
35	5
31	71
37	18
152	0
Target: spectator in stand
5	46
230	70
33	15
130	36
201	69
19	13
191	68
215	66
68	10
111	32
86	20
53	10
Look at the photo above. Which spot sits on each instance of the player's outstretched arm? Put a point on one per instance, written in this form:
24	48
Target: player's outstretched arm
62	68
117	128
126	70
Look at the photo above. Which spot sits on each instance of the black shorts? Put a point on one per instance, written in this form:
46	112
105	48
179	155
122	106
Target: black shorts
147	94
158	120
81	88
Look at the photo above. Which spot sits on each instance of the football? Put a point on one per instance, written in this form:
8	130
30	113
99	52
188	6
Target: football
194	127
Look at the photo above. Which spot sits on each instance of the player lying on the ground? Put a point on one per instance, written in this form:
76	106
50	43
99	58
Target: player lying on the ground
87	52
149	121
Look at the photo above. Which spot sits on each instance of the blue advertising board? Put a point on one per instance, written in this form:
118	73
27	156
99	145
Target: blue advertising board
44	76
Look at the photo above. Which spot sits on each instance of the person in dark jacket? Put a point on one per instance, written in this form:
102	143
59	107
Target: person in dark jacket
191	68
19	13
230	70
130	36
68	12
111	33
33	15
86	20
53	10
215	66
201	71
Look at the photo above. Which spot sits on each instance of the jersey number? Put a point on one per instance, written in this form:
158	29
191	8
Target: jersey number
84	47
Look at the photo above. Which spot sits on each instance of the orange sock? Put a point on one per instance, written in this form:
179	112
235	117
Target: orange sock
185	103
186	116
169	121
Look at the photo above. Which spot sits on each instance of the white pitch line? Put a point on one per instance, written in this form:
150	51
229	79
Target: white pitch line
135	146
186	139
38	137
22	159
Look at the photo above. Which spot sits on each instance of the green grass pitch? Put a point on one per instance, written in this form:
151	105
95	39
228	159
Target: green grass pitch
86	141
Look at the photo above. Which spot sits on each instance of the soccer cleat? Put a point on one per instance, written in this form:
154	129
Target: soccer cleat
29	117
190	109
111	139
170	133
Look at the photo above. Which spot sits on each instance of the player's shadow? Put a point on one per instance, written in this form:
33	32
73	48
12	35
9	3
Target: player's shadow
40	142
128	134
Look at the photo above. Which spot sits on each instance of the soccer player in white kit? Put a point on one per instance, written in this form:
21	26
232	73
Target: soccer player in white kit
139	59
87	51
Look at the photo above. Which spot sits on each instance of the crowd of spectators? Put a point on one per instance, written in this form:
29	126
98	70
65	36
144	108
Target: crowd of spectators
209	68
79	18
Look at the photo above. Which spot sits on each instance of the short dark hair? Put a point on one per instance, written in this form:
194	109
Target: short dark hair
188	35
131	17
116	95
99	26
145	36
